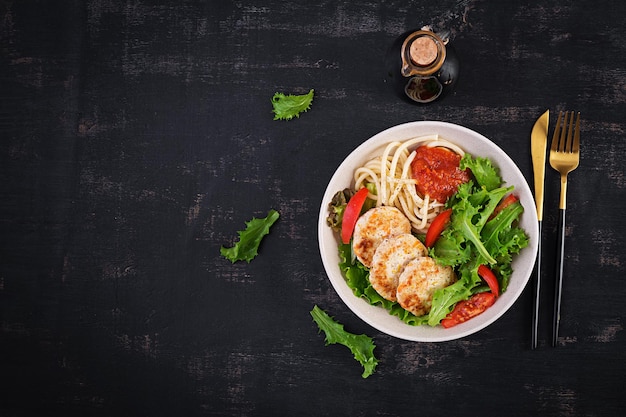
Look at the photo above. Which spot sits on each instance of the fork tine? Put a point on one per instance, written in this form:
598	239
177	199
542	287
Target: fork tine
568	144
563	138
554	146
576	147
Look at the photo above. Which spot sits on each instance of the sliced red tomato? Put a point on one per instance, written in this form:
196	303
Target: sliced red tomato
351	214
466	309
507	201
437	226
490	278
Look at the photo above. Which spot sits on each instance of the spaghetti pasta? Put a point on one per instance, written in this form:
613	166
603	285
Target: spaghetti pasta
390	173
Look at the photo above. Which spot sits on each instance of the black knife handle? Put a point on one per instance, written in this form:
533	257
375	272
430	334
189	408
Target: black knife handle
559	278
537	288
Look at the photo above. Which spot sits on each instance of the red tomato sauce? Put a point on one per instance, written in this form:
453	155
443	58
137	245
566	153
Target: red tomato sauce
437	172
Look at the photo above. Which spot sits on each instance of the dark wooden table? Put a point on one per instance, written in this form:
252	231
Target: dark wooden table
136	138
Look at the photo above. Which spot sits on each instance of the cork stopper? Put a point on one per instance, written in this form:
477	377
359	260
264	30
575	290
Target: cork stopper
423	51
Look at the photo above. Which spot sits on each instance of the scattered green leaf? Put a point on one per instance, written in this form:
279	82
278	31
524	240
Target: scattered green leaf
249	239
362	346
286	107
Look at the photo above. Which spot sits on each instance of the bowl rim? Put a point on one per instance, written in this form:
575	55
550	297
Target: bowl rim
377	316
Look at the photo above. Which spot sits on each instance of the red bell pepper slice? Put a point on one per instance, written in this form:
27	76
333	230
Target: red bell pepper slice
351	214
466	309
436	227
490	278
507	201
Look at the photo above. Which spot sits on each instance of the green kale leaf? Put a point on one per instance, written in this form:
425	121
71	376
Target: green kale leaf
249	239
362	346
286	107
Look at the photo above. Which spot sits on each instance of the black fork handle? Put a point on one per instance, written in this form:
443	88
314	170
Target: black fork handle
559	278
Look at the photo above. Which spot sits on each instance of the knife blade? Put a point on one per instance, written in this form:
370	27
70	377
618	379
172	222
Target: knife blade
538	147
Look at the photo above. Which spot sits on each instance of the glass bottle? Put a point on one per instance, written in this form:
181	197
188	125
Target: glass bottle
422	66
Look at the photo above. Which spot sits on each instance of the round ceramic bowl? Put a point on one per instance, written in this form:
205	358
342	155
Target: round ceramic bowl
476	145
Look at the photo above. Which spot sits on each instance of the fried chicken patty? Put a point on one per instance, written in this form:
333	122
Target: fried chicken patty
418	281
373	227
389	260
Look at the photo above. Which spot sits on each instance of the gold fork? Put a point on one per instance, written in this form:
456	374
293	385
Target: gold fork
564	157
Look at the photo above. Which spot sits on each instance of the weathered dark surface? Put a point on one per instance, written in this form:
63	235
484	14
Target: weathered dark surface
137	137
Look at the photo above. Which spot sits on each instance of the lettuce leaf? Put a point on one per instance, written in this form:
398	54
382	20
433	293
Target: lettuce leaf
470	213
483	171
249	239
336	208
286	107
444	300
362	346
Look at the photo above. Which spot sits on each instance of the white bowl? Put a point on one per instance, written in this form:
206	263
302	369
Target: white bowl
476	145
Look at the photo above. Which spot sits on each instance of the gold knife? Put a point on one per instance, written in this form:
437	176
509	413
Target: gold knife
538	146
